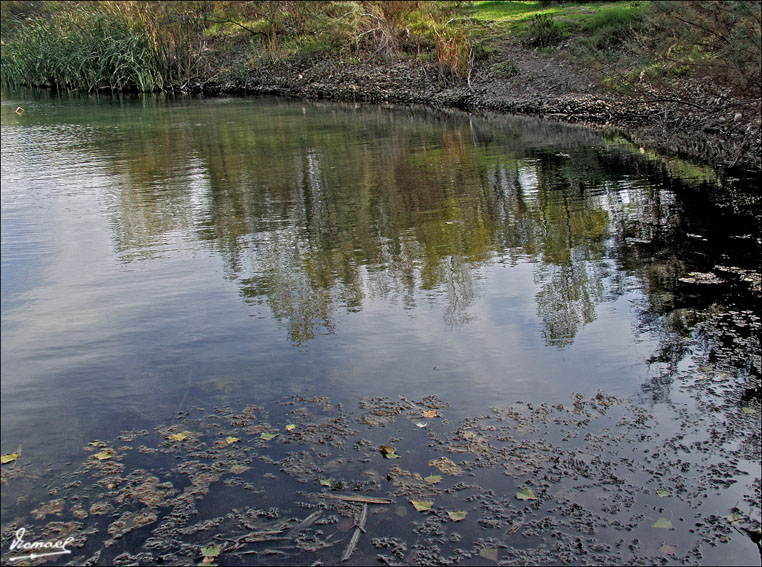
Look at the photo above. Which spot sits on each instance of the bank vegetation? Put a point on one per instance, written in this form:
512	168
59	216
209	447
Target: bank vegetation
690	62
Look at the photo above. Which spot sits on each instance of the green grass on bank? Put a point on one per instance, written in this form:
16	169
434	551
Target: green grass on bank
594	20
168	45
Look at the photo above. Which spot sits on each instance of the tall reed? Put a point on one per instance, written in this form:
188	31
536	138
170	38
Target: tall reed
109	45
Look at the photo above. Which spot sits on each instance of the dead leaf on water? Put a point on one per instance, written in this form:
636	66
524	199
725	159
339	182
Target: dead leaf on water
667	549
433	479
267	436
182	436
421	505
430	413
238	469
326	481
489	553
663	493
230	439
290	427
457	515
9	458
389	452
749	410
663	523
211	550
103	454
526	494
734	517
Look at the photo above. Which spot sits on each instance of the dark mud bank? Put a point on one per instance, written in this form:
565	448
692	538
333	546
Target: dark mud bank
702	122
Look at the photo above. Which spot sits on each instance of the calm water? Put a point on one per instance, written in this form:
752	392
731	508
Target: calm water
160	253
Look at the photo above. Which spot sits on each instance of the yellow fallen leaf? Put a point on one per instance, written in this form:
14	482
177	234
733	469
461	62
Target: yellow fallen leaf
104	454
457	515
489	553
230	439
9	458
182	436
430	413
389	452
663	523
526	494
290	427
422	505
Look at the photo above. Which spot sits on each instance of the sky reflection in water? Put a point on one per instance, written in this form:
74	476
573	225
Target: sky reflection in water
159	253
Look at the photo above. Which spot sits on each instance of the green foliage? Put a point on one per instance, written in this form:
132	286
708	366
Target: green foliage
721	40
544	32
109	45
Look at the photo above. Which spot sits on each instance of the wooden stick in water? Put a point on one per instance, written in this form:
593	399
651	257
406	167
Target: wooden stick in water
363	499
359	527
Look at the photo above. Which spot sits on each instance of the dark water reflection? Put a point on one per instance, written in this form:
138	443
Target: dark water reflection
162	252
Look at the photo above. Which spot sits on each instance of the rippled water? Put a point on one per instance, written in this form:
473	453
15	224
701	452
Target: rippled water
160	253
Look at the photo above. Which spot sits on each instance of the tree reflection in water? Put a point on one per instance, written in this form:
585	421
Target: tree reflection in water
318	208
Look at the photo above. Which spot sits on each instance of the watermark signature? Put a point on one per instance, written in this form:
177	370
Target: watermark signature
38	548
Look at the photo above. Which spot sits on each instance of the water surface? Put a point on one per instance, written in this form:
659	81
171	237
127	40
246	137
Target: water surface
160	253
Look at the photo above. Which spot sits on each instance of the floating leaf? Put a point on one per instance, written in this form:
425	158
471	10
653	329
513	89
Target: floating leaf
182	436
421	505
211	550
734	517
9	458
326	481
103	454
457	515
389	452
238	469
267	436
489	553
430	413
749	410
290	427
663	523
663	493
526	494
230	440
433	479
667	549
97	443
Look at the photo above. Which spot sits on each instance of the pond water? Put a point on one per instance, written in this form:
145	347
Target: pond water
161	254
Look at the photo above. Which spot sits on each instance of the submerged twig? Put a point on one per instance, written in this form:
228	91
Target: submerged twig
306	522
359	527
363	499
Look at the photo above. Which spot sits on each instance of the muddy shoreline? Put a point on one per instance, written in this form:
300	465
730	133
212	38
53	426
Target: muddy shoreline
694	120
